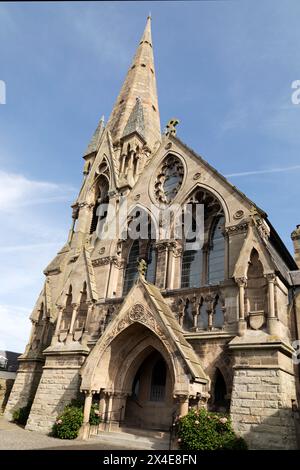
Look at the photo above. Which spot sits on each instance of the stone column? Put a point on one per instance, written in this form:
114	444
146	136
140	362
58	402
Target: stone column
84	431
177	256
58	321
71	329
242	326
183	402
161	265
87	321
102	405
109	414
272	321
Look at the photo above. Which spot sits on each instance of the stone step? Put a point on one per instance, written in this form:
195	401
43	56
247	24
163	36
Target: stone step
132	440
156	433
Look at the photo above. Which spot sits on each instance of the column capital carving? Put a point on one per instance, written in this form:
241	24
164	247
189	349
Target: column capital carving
161	245
241	281
271	277
181	397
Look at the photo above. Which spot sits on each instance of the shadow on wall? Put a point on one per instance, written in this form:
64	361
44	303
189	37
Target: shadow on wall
279	431
6	386
23	391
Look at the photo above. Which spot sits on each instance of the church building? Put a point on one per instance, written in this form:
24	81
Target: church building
149	326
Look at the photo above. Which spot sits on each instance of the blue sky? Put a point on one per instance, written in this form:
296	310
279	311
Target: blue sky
224	69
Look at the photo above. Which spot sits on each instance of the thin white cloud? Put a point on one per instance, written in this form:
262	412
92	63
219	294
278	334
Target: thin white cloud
15	327
16	190
262	172
29	247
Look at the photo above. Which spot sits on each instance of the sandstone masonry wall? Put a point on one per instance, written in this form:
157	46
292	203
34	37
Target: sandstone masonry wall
261	408
58	386
25	385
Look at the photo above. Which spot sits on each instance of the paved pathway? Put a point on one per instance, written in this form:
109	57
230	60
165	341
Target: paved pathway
14	437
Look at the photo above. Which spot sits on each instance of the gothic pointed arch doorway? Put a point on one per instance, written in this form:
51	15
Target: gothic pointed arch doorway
150	404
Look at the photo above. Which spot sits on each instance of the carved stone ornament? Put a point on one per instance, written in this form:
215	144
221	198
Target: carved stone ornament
137	197
236	229
137	312
168	180
256	319
238	214
196	176
241	281
102	261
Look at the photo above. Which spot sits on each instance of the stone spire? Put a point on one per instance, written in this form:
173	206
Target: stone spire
136	121
140	82
95	140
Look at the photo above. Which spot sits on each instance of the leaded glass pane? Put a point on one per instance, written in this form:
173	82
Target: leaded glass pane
131	272
217	253
151	267
191	268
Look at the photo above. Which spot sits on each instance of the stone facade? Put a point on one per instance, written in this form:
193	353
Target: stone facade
209	326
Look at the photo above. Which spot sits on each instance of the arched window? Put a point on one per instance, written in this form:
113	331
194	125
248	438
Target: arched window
131	271
188	318
191	269
216	256
158	381
220	402
203	265
101	199
151	264
256	291
83	308
202	319
192	261
218	315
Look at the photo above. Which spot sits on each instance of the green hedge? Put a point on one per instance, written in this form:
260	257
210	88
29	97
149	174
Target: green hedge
202	430
67	425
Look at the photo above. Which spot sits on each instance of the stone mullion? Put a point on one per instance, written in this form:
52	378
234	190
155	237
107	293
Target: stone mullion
162	255
58	321
242	283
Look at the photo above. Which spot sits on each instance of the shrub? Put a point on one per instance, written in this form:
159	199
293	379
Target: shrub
67	425
20	416
201	430
94	415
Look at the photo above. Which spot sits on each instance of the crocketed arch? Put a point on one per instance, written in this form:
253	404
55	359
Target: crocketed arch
114	365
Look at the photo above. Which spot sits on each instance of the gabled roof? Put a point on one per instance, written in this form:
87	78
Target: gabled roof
175	331
219	175
278	251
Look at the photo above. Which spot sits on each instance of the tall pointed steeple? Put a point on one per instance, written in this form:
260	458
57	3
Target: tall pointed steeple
140	82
